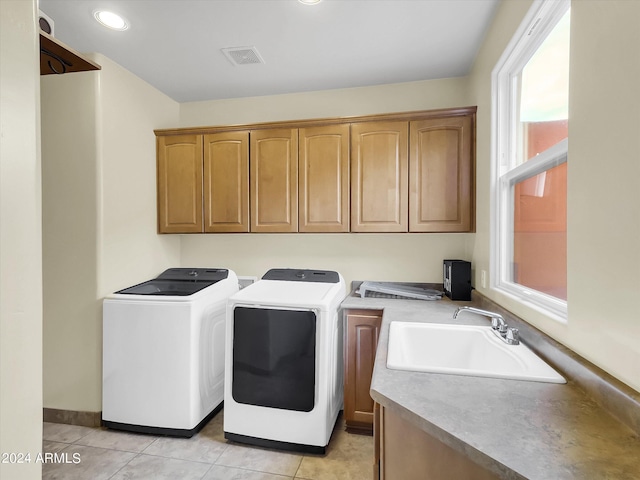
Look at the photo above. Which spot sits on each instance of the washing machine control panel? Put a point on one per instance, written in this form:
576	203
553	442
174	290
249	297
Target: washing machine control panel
198	274
302	275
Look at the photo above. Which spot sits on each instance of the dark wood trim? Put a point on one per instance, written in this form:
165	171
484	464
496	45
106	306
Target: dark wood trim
72	417
406	116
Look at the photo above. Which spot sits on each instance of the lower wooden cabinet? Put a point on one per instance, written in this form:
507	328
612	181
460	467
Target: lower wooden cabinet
362	329
404	451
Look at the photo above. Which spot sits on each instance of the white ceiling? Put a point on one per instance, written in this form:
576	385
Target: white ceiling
175	44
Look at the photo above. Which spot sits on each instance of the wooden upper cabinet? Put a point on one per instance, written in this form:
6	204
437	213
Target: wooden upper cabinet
179	183
441	175
274	180
324	179
226	182
403	172
379	178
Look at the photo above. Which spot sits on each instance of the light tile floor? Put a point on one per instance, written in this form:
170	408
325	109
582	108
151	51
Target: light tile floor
112	455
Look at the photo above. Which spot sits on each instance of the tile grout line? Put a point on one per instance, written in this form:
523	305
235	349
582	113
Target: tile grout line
93	429
210	459
207	472
236	467
144	452
175	458
141	454
69	445
123	466
295	474
111	448
145	448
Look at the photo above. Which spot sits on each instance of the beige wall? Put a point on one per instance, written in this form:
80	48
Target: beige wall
604	174
100	220
130	249
69	173
390	257
98	216
401	97
415	257
603	194
604	222
20	240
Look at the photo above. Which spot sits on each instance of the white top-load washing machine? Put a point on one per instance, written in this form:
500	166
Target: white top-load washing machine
163	351
284	361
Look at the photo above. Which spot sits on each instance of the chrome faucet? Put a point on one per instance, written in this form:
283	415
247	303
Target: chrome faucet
498	325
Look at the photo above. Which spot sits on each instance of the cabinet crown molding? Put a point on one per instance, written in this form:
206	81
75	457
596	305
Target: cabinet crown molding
315	122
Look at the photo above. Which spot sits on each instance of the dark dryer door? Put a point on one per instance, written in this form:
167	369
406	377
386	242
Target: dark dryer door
274	358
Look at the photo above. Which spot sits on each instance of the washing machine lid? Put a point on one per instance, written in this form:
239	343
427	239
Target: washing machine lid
178	282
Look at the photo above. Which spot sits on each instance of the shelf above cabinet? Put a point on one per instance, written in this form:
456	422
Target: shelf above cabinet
58	58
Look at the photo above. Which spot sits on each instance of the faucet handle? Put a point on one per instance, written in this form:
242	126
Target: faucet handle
498	323
512	336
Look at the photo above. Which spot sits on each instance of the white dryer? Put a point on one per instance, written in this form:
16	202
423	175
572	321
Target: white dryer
284	361
163	351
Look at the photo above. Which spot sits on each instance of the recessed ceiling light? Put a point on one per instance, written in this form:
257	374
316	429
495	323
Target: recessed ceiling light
310	2
111	20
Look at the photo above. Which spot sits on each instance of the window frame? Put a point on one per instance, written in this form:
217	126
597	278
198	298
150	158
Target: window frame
541	19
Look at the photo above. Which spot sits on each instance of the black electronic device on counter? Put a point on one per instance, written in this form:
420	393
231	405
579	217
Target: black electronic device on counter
457	279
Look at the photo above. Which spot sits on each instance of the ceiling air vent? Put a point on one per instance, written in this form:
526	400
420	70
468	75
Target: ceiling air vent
242	55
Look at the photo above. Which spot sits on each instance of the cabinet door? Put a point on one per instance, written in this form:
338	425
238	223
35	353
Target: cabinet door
441	175
379	179
409	453
226	182
179	183
362	331
274	180
324	179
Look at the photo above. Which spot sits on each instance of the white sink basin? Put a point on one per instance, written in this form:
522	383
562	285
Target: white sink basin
463	350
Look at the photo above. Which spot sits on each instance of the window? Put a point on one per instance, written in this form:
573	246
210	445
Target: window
530	90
